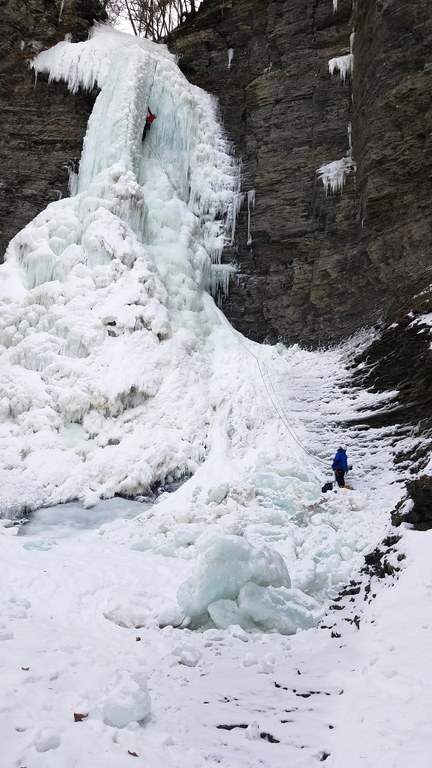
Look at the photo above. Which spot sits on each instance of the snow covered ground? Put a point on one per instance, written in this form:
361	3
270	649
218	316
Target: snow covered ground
91	625
206	628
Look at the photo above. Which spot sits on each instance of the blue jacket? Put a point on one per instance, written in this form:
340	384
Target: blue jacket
340	461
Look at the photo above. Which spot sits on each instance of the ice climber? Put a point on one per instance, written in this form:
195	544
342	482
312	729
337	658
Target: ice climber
340	466
149	119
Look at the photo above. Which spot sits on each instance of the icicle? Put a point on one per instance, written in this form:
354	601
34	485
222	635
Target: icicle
335	6
333	175
237	204
230	56
251	206
220	280
61	11
349	131
73	183
72	169
342	63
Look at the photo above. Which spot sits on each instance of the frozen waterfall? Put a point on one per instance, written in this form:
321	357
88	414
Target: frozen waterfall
119	373
102	293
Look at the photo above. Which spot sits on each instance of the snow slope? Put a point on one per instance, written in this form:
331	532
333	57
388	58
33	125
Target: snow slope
91	625
183	632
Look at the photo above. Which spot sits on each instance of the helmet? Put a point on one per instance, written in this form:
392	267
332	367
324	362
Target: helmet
342	447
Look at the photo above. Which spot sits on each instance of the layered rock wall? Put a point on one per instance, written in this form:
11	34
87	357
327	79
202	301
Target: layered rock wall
42	126
311	267
315	267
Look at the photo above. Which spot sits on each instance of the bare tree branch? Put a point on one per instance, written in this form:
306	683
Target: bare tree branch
153	19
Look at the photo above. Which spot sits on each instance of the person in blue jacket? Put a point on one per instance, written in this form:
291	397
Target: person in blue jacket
340	466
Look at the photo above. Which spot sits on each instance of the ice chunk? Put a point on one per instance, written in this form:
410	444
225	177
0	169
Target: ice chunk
225	613
252	732
187	655
126	699
217	493
127	609
267	664
278	608
224	565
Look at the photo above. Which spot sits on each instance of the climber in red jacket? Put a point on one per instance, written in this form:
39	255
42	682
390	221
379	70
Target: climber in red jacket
149	119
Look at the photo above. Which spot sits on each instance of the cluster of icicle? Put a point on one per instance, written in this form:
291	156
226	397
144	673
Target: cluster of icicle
334	174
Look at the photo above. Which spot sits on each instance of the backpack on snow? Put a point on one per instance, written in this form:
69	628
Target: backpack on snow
327	487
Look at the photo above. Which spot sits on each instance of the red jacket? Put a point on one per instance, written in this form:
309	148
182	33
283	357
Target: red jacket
150	116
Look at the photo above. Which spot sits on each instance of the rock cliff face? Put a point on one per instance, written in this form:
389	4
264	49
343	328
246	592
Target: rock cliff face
312	267
42	127
319	266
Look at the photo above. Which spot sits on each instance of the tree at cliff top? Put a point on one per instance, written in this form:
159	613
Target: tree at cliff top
153	19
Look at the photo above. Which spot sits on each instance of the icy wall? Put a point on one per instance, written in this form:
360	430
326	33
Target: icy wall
322	261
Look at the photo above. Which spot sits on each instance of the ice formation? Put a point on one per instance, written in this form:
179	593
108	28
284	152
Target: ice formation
102	294
235	583
251	206
281	609
223	567
343	65
333	175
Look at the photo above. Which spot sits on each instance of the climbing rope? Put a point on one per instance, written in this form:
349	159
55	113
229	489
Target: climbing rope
149	143
152	149
274	399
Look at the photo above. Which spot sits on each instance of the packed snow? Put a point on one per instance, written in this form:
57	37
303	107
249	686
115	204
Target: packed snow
193	622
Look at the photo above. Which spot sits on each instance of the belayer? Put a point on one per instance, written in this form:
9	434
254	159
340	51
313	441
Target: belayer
149	119
340	466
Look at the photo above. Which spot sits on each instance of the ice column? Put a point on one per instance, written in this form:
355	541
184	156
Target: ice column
187	140
251	206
